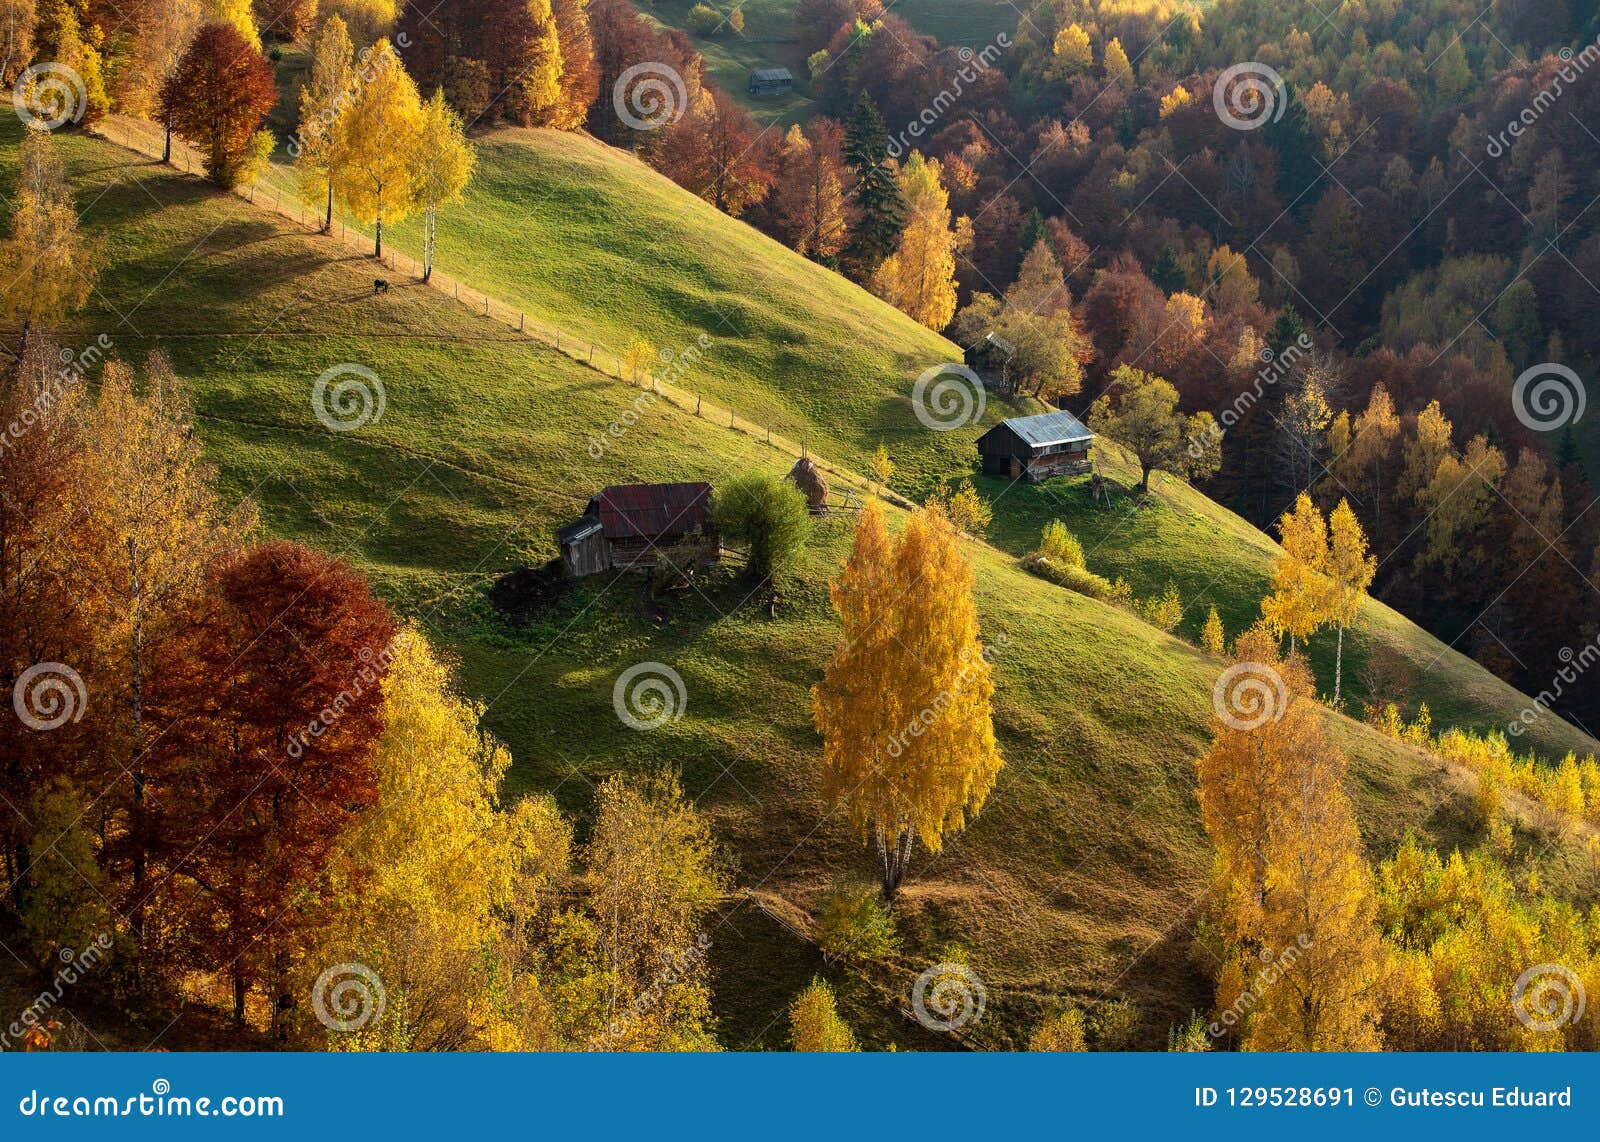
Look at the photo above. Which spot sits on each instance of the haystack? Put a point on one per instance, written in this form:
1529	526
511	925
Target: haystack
808	478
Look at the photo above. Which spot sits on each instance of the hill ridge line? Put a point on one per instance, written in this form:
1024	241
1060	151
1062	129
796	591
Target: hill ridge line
134	134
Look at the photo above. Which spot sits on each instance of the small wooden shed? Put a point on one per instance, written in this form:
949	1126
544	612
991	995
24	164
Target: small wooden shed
1035	448
583	547
769	81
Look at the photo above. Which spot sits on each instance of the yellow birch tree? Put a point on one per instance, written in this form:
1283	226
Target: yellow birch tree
1351	571
919	278
373	169
904	707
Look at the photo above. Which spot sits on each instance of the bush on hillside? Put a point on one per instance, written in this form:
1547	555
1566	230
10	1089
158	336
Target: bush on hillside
854	923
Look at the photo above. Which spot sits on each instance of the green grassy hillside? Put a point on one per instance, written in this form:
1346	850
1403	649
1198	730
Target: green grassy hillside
589	238
1082	874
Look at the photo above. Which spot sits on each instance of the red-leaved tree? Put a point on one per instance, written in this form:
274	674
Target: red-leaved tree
276	710
217	98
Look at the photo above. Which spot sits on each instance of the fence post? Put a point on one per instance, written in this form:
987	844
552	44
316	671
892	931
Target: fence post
697	404
522	322
486	305
591	352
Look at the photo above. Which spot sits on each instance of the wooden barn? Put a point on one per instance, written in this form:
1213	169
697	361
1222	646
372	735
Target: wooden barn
633	527
1035	448
769	81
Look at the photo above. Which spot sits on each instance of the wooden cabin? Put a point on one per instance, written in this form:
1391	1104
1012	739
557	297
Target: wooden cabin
769	81
633	527
1036	448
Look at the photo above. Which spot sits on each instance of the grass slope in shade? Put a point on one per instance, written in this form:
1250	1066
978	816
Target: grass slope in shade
1082	875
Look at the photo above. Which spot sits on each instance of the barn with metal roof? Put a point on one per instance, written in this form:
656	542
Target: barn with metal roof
1036	447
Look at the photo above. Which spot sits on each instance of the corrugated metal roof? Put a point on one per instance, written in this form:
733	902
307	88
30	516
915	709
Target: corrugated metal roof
1049	428
769	74
578	529
653	511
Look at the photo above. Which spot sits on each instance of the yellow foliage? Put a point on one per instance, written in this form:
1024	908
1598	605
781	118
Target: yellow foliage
919	278
904	707
814	1022
1063	1032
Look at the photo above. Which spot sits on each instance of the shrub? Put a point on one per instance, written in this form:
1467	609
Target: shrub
815	1024
968	511
1164	613
704	20
1213	637
1062	1032
854	923
769	515
1060	546
1079	579
1115	1025
736	20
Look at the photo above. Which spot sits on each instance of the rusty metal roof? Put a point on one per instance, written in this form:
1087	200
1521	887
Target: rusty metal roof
654	511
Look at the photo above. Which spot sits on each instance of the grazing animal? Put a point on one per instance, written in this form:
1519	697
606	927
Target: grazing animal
379	285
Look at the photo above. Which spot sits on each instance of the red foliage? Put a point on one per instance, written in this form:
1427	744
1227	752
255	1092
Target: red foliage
274	709
217	98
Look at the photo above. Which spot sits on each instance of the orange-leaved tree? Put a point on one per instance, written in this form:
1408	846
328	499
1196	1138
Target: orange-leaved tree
216	98
904	707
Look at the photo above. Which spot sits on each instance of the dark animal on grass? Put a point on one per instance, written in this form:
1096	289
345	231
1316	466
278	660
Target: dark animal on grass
379	285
